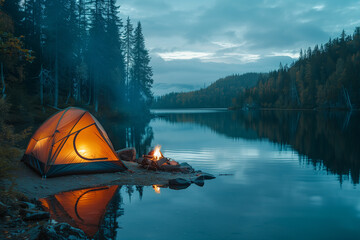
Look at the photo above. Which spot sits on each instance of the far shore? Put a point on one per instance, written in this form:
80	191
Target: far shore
259	109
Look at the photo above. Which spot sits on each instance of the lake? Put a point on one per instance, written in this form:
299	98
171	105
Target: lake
280	175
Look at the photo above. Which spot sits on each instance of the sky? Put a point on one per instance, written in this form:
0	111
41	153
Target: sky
192	43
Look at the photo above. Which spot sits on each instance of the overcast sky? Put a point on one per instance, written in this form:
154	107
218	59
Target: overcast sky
192	43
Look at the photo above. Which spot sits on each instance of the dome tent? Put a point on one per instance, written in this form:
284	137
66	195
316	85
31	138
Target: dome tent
72	141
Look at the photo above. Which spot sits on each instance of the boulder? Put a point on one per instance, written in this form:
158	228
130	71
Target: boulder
186	168
127	154
199	181
179	183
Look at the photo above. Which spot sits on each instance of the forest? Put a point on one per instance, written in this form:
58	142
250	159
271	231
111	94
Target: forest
325	77
219	94
72	53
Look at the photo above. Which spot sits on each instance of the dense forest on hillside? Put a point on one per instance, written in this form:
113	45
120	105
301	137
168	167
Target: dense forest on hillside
72	52
323	77
219	94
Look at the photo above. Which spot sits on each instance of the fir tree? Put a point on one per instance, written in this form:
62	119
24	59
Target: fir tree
128	39
141	73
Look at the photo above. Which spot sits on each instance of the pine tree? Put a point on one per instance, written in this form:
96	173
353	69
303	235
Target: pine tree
115	86
128	40
59	24
95	57
141	73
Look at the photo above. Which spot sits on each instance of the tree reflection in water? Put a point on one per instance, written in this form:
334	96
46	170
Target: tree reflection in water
326	140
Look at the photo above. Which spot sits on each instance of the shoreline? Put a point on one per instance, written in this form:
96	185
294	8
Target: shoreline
27	181
24	217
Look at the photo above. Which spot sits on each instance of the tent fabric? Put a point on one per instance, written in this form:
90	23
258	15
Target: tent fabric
84	209
71	141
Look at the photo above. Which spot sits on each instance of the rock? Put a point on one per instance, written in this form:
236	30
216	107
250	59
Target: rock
33	215
3	209
206	176
186	168
179	182
199	181
127	154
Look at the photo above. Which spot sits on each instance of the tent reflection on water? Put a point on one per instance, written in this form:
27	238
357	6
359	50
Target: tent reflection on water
84	209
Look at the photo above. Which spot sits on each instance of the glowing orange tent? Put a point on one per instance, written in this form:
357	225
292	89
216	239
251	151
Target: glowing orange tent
84	209
71	141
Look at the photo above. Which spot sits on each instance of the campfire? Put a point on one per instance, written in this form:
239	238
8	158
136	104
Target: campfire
155	160
156	153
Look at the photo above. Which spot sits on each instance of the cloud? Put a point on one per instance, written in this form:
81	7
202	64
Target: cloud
197	41
319	7
183	55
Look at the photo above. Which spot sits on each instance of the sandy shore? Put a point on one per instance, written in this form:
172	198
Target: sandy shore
33	186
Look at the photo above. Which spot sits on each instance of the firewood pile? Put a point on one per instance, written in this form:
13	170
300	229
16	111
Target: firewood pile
154	160
148	161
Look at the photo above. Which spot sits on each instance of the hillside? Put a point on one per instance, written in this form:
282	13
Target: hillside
325	77
218	95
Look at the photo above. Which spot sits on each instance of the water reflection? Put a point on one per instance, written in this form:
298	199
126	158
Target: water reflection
326	140
94	210
84	209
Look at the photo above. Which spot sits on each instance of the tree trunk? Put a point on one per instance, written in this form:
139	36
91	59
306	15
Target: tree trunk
42	86
3	81
56	90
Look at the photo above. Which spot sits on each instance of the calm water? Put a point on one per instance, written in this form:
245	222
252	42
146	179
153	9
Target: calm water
289	175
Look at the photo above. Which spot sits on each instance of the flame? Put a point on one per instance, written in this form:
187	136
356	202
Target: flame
157	154
156	188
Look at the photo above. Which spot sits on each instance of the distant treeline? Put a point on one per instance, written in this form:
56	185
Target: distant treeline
323	77
72	52
327	76
220	94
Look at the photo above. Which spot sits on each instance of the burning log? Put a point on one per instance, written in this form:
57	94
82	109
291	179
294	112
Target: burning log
155	160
